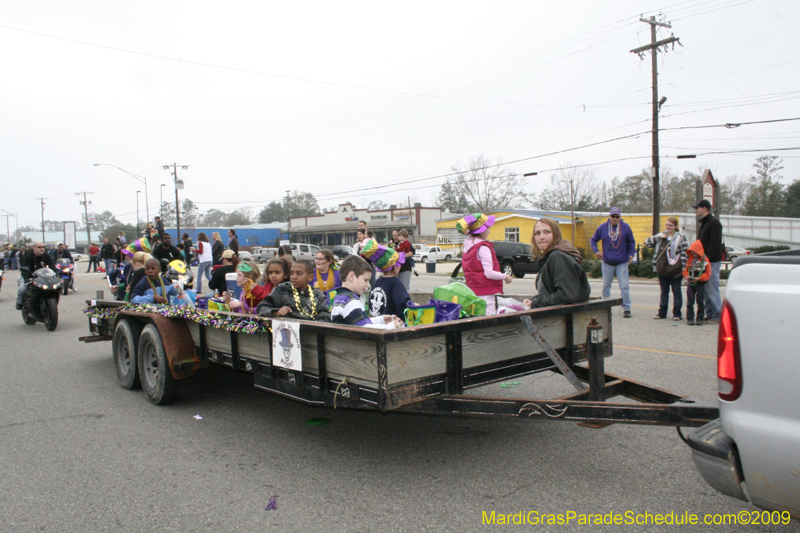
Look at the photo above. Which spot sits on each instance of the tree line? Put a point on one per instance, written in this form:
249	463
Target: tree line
483	185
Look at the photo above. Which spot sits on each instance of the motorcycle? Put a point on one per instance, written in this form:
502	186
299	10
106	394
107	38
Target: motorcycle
179	273
41	299
65	270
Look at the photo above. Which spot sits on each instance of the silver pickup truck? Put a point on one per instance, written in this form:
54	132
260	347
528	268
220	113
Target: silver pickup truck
752	452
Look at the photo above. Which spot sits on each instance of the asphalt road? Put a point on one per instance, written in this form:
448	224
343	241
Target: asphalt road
79	453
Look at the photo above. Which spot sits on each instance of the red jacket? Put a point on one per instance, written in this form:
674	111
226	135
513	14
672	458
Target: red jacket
94	250
473	272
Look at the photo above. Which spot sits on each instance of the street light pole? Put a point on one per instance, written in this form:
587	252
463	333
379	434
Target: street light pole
161	201
178	185
143	179
137	213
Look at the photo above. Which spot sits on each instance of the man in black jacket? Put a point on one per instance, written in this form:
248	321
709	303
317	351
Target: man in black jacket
166	251
107	255
31	262
709	233
159	227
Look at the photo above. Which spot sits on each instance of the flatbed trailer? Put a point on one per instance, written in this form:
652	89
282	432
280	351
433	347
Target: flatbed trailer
421	369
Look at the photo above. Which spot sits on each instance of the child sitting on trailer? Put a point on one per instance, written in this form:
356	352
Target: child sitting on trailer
295	298
276	272
347	307
154	288
389	295
246	275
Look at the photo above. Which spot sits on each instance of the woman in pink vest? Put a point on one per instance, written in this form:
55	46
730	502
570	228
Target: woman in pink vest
479	263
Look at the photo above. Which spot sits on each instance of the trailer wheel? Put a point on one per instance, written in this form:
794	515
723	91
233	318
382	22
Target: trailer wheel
124	348
157	381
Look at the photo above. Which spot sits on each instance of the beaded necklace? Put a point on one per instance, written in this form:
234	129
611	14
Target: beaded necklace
313	314
152	286
327	284
614	235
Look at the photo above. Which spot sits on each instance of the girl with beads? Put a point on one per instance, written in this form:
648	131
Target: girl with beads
326	278
247	274
296	298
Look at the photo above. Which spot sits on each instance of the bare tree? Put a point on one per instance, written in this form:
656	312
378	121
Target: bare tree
486	186
573	187
734	191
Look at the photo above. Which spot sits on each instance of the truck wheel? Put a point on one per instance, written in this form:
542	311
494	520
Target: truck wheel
424	259
520	275
50	313
124	347
508	270
157	381
447	258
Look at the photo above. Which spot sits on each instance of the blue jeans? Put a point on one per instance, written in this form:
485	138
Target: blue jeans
621	271
203	268
21	290
677	296
713	300
109	264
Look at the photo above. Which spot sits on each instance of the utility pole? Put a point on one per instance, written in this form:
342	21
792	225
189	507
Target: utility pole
42	200
16	224
8	229
85	203
653	47
178	185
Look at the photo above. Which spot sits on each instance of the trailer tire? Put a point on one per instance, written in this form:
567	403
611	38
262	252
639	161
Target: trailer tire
157	381
124	349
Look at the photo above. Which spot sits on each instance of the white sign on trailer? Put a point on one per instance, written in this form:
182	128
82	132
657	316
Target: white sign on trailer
286	345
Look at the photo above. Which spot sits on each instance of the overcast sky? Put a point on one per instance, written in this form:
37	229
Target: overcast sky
332	98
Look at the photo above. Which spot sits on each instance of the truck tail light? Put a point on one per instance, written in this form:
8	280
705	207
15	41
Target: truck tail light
729	366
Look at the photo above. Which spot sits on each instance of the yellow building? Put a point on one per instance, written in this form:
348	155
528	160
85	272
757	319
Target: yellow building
517	225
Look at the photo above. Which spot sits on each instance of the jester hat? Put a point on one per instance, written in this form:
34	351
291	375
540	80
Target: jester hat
382	257
475	224
141	245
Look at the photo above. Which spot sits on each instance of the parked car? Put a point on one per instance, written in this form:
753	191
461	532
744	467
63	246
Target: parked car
732	252
304	251
341	251
262	255
76	256
244	255
515	258
425	254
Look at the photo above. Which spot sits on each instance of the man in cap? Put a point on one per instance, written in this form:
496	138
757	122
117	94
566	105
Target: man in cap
709	233
33	260
619	247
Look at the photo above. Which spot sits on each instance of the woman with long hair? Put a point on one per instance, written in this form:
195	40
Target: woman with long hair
562	279
204	260
217	248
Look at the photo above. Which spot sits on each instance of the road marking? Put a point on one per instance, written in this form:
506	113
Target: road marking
664	351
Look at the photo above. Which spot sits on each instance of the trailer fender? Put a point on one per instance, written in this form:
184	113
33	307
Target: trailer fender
177	341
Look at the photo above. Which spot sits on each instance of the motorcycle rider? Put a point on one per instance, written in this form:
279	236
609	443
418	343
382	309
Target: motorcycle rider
33	261
62	252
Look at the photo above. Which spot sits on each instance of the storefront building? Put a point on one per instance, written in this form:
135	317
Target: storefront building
340	226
